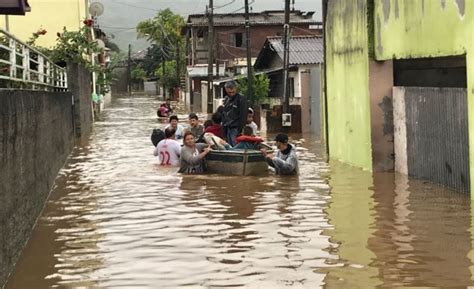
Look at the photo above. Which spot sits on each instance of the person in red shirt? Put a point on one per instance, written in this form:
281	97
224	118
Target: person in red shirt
216	128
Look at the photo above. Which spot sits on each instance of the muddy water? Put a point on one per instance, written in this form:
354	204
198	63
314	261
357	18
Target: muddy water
116	219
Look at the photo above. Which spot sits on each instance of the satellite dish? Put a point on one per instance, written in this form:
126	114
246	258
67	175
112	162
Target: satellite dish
96	9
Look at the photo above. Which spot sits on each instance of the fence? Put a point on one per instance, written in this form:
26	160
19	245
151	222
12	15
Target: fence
25	67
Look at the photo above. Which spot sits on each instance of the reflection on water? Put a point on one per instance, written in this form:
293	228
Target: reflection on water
117	219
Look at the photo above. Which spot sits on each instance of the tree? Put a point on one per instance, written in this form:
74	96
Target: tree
138	74
169	79
164	30
261	84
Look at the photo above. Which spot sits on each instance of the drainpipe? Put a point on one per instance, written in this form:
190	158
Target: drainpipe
325	12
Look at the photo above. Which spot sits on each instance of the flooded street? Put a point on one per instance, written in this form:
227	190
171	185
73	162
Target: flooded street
116	219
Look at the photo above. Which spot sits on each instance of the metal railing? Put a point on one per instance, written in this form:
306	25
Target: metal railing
22	66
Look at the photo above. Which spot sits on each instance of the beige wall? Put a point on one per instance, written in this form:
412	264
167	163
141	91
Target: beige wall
51	15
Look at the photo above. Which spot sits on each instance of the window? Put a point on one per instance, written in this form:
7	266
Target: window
238	39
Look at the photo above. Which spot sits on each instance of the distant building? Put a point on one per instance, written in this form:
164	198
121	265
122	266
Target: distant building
306	59
49	15
230	39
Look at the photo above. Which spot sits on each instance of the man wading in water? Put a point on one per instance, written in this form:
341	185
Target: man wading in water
234	113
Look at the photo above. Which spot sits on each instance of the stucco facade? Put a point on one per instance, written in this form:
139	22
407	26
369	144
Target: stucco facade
407	29
347	72
365	39
51	15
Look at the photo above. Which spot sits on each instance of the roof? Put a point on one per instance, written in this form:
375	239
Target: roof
14	7
308	49
273	17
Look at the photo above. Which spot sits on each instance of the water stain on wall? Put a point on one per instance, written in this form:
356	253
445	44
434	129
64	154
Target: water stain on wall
397	10
386	10
443	4
461	4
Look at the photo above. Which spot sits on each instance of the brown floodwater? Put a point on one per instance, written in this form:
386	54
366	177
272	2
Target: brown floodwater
116	219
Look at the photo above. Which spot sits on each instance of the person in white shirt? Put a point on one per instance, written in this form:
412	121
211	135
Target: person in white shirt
168	150
177	127
250	121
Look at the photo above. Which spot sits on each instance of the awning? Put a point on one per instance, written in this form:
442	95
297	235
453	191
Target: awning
14	7
225	79
201	70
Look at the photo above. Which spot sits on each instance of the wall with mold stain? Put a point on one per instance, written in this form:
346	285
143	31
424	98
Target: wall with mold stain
407	29
347	64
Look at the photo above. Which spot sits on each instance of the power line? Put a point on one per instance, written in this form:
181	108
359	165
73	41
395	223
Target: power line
134	6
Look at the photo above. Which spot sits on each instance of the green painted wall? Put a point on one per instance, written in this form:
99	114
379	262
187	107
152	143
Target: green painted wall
347	65
429	28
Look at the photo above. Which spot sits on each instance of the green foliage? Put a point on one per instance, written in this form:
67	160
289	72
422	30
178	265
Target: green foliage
76	47
164	28
169	79
260	88
138	74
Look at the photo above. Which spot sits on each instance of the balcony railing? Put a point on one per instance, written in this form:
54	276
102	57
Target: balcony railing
22	66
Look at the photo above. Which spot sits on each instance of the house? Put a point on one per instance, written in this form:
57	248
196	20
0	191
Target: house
230	40
50	15
400	84
305	61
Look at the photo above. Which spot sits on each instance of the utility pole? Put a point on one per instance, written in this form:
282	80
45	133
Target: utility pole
286	58
129	69
210	60
249	56
177	64
163	63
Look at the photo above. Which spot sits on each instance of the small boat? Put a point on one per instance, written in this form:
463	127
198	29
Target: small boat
236	162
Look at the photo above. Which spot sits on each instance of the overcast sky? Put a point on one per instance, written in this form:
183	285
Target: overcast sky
121	16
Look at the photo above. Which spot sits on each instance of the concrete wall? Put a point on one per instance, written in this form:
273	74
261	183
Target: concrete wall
381	115
79	84
36	137
347	72
419	29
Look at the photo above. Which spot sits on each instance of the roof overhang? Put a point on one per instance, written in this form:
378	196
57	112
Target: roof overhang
266	71
14	7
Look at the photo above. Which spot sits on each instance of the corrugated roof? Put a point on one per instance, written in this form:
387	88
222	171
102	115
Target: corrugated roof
303	49
261	18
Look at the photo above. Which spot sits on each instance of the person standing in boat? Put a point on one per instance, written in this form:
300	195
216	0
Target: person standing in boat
285	162
192	155
234	113
176	126
168	150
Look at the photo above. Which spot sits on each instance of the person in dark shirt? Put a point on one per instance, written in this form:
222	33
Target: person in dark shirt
234	113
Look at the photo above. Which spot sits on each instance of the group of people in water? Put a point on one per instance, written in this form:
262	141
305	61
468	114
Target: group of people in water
231	127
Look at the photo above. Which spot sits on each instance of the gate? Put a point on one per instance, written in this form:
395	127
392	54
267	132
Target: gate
437	147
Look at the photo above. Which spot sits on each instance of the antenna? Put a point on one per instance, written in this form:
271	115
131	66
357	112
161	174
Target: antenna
96	9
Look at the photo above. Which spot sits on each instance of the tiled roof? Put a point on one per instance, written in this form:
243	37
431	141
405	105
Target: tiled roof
261	18
303	49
